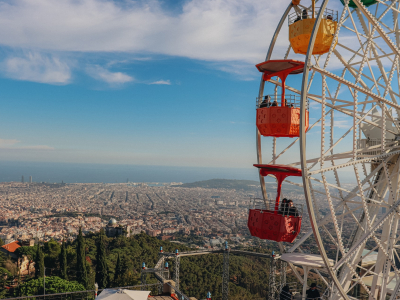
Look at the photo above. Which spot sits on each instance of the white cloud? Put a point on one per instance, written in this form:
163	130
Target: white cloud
166	82
38	68
11	144
103	74
5	143
212	30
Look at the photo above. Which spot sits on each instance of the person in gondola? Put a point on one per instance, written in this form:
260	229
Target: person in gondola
297	19
285	294
304	14
312	292
266	102
291	209
274	103
283	210
285	102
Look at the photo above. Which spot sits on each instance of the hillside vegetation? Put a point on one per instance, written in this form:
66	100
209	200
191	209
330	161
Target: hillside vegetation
123	260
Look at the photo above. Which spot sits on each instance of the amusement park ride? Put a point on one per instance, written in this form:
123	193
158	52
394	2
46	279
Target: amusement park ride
339	131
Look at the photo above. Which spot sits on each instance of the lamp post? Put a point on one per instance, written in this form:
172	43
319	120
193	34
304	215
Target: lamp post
96	288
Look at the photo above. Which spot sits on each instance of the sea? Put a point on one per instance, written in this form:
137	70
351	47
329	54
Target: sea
109	173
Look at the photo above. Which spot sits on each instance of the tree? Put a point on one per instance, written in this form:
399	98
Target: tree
101	264
118	272
54	285
81	274
63	262
29	251
39	263
51	251
1	242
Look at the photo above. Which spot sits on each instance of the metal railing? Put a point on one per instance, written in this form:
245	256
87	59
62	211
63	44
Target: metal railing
269	204
275	100
372	146
329	14
180	295
79	295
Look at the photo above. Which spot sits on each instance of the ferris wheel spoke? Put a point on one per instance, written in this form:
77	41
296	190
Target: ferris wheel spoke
321	222
341	138
374	22
353	71
366	236
350	193
352	163
331	99
356	87
369	59
383	72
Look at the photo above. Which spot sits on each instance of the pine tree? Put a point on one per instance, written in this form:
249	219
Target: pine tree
101	264
39	263
81	275
63	262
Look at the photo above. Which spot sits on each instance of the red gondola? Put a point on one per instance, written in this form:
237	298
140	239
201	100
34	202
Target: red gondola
271	224
280	120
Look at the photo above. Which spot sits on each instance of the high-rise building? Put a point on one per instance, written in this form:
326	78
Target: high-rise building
30	179
22	179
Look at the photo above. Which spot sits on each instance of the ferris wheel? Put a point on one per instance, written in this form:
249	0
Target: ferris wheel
328	111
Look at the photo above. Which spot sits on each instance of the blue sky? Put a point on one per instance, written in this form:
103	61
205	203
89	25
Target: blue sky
132	82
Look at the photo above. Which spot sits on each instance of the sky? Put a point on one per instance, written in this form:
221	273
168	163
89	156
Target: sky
154	82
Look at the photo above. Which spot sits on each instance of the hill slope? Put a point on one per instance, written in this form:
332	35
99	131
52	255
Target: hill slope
223	184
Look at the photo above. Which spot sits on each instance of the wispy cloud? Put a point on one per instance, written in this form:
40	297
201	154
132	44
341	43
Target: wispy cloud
100	73
38	67
166	82
12	144
6	143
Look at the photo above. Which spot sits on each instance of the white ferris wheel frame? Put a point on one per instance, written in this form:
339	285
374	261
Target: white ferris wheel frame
338	291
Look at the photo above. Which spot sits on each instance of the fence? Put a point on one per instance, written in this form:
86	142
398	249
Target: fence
82	295
275	100
307	14
269	204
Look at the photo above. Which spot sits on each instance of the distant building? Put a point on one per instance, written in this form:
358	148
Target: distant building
9	249
153	232
113	229
30	179
22	179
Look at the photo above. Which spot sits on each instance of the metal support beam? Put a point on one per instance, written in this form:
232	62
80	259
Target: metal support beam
143	277
225	273
283	273
177	266
272	282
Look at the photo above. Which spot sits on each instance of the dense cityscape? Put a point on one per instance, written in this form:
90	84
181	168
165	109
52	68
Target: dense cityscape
57	211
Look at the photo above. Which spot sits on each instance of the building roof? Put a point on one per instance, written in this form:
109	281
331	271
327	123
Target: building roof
112	221
11	247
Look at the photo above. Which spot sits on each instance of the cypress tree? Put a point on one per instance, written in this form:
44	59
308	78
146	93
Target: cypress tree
118	272
63	262
81	275
39	263
101	264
